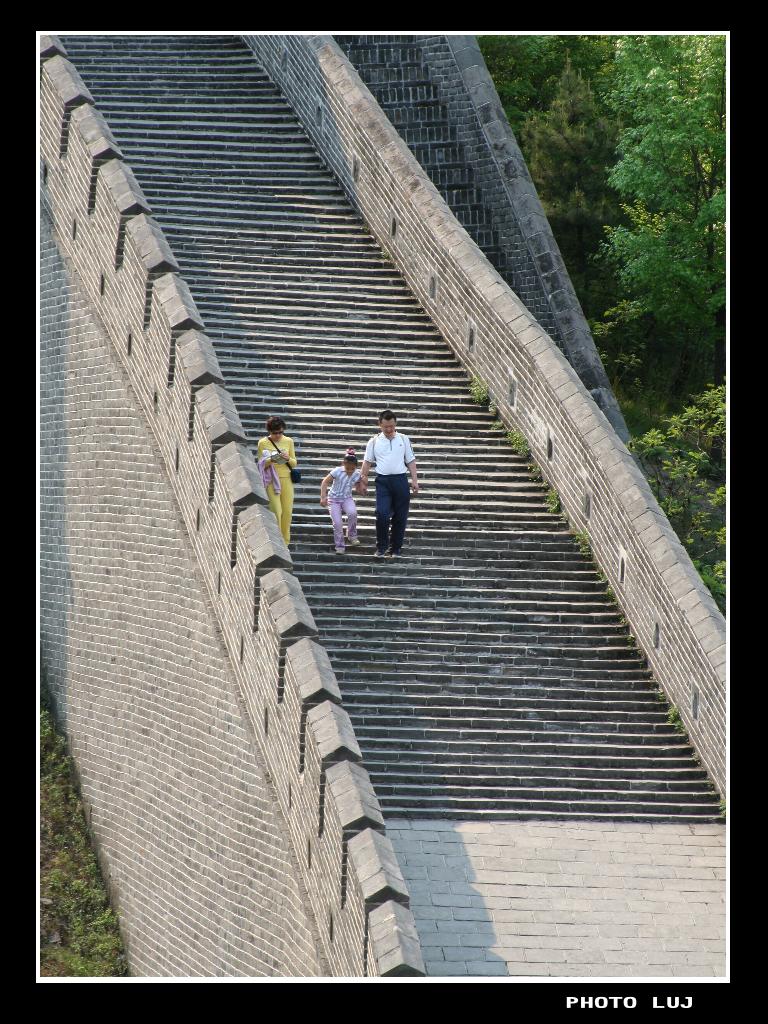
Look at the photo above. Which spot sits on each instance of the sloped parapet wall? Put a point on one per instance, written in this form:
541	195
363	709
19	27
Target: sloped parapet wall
104	226
190	835
501	172
534	268
672	614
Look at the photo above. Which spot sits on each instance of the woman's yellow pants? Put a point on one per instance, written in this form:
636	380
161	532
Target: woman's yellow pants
282	505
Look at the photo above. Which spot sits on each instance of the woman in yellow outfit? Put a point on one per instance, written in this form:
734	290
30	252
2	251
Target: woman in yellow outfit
276	458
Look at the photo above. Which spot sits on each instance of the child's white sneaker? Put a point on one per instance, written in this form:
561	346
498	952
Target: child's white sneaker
352	542
339	551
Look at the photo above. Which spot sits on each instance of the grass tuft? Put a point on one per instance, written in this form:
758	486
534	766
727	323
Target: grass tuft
79	934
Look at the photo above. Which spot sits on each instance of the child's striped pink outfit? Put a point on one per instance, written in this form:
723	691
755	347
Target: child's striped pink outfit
341	502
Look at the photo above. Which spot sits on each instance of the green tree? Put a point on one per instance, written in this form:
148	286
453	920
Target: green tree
669	92
569	148
683	460
526	69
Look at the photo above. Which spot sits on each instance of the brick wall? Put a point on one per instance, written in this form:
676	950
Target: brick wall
535	389
129	288
198	863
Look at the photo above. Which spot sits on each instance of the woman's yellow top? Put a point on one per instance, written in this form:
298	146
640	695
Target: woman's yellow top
285	444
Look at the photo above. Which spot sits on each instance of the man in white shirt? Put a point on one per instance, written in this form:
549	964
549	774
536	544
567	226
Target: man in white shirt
393	455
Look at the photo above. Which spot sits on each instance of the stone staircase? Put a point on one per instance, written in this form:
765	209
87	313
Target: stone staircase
486	672
405	87
394	70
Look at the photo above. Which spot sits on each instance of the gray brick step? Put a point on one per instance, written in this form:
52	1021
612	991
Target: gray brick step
667	780
502	712
522	796
466	649
422	685
460	812
455	609
437	586
435	741
496	675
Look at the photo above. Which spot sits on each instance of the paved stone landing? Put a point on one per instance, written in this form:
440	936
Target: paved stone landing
593	900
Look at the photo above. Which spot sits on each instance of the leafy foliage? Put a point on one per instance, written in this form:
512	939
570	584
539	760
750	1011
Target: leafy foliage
79	936
518	443
585	547
553	502
479	391
526	69
569	148
669	93
684	462
625	140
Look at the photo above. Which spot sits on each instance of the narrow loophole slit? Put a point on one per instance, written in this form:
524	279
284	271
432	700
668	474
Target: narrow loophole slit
148	304
120	244
92	188
191	421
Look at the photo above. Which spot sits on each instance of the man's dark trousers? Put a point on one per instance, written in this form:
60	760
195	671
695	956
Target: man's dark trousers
393	499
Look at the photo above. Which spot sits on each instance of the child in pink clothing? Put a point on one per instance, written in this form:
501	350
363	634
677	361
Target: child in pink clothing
339	501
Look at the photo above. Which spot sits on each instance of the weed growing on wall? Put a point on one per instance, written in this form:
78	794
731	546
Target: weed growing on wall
553	502
585	547
479	391
518	443
79	934
674	719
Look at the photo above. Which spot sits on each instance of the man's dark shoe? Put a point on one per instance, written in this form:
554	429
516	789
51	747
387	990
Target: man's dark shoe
395	554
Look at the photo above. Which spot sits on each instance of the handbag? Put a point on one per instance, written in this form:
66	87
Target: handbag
294	471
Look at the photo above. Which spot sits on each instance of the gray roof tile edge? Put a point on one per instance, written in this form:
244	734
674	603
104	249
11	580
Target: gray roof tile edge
89	123
50	46
311	667
350	788
282	593
330	728
125	190
66	80
240	475
156	255
196	354
220	417
263	539
373	862
394	941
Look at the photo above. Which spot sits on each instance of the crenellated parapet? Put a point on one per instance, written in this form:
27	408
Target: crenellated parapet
105	228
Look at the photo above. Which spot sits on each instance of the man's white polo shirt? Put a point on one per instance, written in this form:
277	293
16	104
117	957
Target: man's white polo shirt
391	454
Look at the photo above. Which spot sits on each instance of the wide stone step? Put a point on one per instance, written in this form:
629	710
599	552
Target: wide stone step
403	598
435	741
368	685
463	713
462	812
438	588
496	776
377	75
404	702
537	617
545	561
496	676
463	650
522	795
